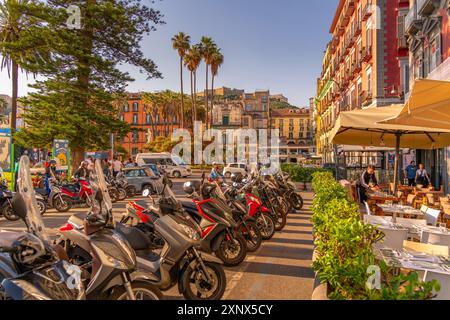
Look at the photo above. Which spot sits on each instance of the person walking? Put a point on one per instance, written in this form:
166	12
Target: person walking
116	166
422	177
410	174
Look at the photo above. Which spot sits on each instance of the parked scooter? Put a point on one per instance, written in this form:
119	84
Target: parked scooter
64	196
94	242
240	192
30	268
215	217
199	275
6	197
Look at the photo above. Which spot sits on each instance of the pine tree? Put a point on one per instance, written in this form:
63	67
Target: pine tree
76	100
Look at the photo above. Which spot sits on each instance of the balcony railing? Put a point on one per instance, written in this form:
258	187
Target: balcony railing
367	11
413	21
366	54
426	7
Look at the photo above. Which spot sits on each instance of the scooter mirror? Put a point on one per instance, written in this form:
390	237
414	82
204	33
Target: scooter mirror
146	193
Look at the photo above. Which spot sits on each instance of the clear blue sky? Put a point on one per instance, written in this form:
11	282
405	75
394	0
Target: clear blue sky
267	44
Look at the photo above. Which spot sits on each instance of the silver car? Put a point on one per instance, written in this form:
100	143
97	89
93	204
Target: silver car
141	178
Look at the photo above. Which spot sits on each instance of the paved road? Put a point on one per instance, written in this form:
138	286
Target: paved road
279	270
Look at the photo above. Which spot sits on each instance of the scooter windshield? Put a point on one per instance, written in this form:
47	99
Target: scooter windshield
26	191
102	203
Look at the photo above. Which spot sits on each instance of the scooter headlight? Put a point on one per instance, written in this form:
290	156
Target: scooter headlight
191	233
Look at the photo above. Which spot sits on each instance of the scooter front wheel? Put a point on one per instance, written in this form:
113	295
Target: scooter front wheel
232	251
252	235
196	285
62	203
142	290
266	225
8	213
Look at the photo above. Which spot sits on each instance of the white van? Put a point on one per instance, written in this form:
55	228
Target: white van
172	164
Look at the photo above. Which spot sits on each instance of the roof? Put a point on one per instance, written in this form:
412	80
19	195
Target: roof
337	15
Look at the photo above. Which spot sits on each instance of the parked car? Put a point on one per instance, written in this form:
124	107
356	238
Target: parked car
173	165
141	178
234	168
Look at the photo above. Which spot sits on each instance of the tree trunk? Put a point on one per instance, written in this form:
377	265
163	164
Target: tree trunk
195	96
212	101
76	156
182	93
207	95
192	98
15	80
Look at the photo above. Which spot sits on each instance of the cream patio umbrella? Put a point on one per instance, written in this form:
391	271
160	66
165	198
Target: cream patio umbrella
364	128
427	106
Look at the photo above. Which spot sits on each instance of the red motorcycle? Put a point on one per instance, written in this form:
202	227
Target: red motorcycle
241	197
64	197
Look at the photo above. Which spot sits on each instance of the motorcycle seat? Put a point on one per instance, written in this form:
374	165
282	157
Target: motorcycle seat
135	237
189	205
78	219
74	188
41	191
141	203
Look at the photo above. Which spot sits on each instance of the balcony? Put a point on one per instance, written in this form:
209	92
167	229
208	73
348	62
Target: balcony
349	8
366	54
366	98
367	12
426	7
357	67
413	22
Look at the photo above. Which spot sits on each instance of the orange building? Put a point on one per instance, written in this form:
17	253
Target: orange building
146	125
365	63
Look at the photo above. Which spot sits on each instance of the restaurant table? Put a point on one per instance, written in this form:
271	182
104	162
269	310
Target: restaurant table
399	211
412	260
375	198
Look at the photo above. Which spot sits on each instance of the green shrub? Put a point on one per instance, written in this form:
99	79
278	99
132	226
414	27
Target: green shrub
301	174
344	245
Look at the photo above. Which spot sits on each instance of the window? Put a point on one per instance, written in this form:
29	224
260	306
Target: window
174	120
248	108
435	52
264	99
135	106
135	151
134	136
148	119
369	82
122	118
225	120
135	118
264	107
157	119
126	108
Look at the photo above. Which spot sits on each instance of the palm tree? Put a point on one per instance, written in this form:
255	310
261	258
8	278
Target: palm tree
217	59
181	42
192	62
208	47
27	54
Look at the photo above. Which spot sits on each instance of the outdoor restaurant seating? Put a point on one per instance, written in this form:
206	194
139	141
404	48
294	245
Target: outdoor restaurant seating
393	239
432	216
434	250
436	239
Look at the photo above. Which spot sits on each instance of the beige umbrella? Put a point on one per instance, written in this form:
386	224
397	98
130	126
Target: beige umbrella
364	128
427	106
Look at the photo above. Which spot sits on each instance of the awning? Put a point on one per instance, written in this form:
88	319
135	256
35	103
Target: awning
427	106
364	128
